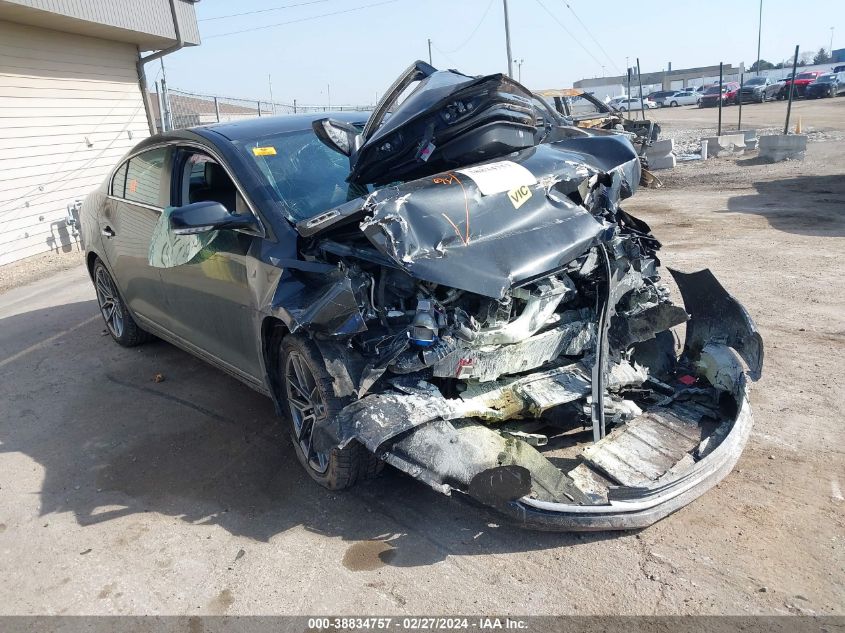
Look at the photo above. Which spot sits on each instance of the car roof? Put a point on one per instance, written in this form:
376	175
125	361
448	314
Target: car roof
262	126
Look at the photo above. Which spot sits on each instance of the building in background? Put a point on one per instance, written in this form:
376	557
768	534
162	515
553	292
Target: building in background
602	87
71	103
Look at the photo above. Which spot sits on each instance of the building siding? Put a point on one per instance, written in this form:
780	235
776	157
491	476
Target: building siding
70	107
151	17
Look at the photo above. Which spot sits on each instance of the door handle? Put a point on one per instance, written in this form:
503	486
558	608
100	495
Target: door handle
107	231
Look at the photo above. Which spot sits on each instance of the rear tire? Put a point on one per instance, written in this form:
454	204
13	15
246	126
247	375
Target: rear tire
119	323
307	393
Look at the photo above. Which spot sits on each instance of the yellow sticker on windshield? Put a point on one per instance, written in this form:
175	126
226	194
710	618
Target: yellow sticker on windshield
264	151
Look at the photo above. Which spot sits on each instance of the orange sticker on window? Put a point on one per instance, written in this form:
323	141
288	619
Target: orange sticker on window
264	151
132	185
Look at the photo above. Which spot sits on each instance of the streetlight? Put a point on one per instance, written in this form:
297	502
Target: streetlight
518	63
830	50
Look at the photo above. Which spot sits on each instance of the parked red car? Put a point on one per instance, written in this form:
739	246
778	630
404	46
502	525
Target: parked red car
710	97
802	80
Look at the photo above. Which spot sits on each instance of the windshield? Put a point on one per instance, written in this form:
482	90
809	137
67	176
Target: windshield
825	79
755	81
305	175
712	90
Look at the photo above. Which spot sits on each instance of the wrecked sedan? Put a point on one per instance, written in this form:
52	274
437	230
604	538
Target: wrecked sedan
449	286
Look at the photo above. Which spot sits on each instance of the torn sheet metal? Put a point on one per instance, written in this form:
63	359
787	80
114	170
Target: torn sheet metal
718	318
480	243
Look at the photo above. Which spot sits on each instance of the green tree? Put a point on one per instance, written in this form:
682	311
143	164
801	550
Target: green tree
764	65
822	57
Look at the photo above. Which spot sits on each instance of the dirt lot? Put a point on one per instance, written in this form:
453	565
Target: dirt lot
119	494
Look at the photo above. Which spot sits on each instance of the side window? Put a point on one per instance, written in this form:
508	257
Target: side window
118	183
204	179
143	177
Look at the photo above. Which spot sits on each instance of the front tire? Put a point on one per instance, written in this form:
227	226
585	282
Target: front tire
674	104
306	391
119	323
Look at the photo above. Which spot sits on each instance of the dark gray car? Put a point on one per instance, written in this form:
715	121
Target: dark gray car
454	290
759	89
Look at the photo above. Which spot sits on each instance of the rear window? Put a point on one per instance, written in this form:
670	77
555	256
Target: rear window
806	76
143	177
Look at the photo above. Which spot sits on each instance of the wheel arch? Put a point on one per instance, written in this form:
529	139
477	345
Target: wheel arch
90	259
273	330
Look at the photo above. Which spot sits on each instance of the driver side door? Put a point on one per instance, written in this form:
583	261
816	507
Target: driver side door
210	302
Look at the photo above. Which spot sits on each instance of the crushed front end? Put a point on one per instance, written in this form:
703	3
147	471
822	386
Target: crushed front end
504	330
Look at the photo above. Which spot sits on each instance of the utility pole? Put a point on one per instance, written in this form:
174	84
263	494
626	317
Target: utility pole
166	114
329	93
429	52
508	39
759	34
830	50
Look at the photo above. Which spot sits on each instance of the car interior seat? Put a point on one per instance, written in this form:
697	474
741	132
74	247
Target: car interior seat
218	187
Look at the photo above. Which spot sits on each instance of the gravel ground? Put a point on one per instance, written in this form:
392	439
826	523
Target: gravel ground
37	267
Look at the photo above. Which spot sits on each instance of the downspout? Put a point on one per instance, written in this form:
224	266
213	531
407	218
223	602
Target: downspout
142	76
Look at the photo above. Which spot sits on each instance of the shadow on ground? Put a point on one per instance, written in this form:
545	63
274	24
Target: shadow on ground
807	205
204	448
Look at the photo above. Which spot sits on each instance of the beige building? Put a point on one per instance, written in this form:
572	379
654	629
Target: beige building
71	103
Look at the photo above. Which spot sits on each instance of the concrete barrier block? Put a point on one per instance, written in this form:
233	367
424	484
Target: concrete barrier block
725	145
661	148
778	147
750	139
662	162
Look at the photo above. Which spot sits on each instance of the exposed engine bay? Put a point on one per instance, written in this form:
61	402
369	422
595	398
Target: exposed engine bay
500	326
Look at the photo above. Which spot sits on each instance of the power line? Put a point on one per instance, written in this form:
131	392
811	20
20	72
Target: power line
592	37
563	26
236	15
445	54
474	31
313	17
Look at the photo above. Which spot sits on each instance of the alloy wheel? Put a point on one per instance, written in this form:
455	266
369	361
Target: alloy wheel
306	408
109	302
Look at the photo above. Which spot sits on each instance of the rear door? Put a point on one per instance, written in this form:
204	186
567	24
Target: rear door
210	300
135	202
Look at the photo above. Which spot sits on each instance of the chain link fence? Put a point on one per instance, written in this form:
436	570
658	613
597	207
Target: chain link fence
182	109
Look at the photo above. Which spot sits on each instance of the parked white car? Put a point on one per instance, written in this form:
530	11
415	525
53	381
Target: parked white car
631	103
684	97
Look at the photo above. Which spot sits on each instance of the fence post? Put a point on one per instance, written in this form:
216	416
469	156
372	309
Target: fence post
294	106
791	90
739	97
259	108
719	131
217	109
640	80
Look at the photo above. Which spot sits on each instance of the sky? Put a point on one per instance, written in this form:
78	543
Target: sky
351	57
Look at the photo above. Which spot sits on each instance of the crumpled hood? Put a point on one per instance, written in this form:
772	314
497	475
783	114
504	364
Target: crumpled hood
485	228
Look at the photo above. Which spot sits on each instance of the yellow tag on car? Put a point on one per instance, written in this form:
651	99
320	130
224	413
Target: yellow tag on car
519	195
264	151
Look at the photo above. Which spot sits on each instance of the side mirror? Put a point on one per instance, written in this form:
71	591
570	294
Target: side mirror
200	217
341	137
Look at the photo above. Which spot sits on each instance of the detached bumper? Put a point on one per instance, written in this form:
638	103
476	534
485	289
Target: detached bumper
644	506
